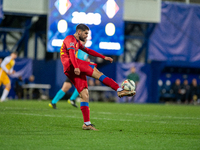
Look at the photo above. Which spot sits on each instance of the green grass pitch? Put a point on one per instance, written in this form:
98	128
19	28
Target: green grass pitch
33	125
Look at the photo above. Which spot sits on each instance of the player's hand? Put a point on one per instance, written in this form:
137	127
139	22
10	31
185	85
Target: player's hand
109	59
77	71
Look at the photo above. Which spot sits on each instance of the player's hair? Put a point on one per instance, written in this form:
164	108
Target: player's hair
16	53
82	27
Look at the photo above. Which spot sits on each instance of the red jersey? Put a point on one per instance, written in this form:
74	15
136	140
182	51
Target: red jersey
69	49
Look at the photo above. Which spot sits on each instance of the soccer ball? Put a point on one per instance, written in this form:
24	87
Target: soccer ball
128	85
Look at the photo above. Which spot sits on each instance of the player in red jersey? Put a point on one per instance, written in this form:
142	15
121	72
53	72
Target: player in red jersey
77	70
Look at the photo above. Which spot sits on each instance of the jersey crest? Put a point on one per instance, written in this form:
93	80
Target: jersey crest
71	44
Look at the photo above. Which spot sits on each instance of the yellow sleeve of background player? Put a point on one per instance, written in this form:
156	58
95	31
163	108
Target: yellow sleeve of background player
61	50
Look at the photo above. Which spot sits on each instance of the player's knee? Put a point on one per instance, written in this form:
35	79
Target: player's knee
100	74
85	95
96	73
8	87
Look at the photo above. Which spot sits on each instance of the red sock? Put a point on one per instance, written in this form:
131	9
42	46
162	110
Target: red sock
111	83
85	111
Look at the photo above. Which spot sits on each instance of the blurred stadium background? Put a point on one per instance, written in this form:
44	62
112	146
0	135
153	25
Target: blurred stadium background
159	38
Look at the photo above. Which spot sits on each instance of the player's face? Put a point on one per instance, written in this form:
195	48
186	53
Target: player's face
14	56
83	35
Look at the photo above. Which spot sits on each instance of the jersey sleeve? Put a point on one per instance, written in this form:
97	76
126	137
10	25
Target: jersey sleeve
70	45
73	58
4	63
90	51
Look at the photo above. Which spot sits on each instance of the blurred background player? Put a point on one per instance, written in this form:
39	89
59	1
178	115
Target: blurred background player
177	90
134	76
194	91
5	70
67	84
184	91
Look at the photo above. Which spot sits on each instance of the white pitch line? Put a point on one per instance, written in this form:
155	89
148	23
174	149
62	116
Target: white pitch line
142	115
111	113
125	120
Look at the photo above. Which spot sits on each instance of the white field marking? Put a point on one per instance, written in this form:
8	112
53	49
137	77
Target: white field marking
110	113
125	120
129	114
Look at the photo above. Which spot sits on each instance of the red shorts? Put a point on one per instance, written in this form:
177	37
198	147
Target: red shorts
80	81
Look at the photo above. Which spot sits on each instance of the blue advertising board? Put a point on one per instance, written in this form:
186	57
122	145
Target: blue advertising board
103	17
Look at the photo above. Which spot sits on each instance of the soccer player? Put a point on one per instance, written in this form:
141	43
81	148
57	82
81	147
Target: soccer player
77	70
67	84
5	70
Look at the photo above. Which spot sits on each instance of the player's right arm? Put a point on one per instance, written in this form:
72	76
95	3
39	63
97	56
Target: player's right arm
4	63
70	45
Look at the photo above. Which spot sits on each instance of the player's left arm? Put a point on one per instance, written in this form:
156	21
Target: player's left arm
94	53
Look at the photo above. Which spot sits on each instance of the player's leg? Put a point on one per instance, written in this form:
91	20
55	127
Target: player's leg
104	79
6	82
90	70
111	83
5	92
66	86
80	82
84	105
72	99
